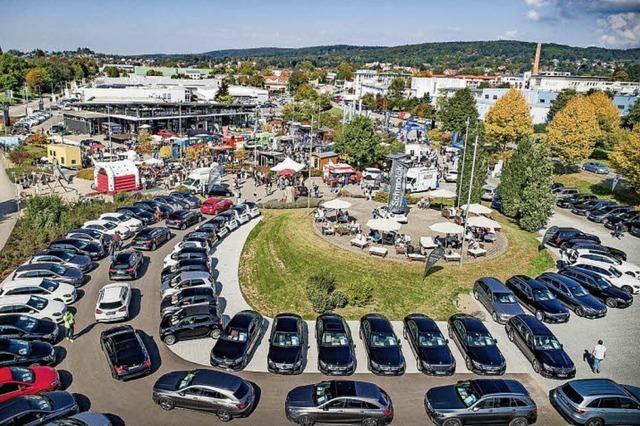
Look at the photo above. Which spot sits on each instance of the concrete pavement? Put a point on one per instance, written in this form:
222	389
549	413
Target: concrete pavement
8	206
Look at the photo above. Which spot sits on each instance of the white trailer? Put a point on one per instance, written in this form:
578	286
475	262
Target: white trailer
420	179
198	179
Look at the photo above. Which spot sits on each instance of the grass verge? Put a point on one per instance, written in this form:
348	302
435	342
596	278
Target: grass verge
590	183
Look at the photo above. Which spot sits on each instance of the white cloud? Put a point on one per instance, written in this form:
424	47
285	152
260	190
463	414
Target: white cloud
537	3
534	15
620	30
510	34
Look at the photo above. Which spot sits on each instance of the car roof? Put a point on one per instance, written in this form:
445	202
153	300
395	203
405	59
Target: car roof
36	266
242	319
471	323
378	323
287	323
332	321
493	386
15	298
111	292
494	284
423	322
562	278
537	327
19	282
190	275
594	387
347	388
217	379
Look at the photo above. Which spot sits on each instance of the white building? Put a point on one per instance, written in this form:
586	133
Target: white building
374	82
435	86
134	94
556	83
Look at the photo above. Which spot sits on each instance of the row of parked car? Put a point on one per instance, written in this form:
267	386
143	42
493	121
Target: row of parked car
26	123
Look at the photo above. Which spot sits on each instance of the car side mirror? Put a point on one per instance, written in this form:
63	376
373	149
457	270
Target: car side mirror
325	408
495	341
475	409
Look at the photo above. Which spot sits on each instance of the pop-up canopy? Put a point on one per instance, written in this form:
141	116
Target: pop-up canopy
287	163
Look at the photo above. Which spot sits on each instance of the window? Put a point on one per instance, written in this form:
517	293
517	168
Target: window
609	403
501	402
353	404
487	404
339	403
515	402
627	404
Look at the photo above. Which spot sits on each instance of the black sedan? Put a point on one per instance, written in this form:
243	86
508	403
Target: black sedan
477	345
153	206
93	250
150	238
536	297
540	347
139	213
626	218
428	345
171	202
583	209
53	271
216	224
382	345
23	352
182	219
64	258
24	327
234	348
39	409
287	345
126	265
125	352
336	354
219	191
577	244
599	287
187	297
208	238
568	202
557	237
190	198
573	295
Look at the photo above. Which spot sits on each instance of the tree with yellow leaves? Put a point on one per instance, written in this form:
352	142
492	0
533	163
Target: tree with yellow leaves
508	120
608	120
625	158
573	132
144	142
165	152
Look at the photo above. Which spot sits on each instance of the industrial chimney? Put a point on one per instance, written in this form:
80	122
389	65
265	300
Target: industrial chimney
536	60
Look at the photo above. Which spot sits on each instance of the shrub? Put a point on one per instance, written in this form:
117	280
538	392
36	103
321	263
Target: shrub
86	174
381	197
599	154
339	299
358	294
321	302
323	281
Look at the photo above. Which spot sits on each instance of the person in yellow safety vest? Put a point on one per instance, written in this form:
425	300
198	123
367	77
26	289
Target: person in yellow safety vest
69	320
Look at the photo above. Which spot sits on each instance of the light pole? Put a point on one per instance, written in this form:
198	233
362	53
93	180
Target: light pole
464	153
466	211
109	132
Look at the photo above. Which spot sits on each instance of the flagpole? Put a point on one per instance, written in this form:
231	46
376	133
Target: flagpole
464	153
466	211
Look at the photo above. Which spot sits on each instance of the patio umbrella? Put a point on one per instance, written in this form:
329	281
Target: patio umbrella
477	208
483	222
286	172
441	193
383	225
447	228
336	204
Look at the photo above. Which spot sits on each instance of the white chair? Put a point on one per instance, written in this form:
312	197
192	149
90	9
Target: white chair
455	256
427	243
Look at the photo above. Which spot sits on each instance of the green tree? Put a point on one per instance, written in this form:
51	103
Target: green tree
480	170
296	79
608	120
223	90
345	71
457	109
508	120
634	72
396	93
115	72
525	186
620	75
560	102
633	116
359	141
154	73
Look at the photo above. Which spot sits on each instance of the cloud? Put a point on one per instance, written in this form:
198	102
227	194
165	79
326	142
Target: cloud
537	3
510	34
620	30
533	14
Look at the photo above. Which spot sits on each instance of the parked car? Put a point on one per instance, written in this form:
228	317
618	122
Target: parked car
188	197
602	214
153	206
150	238
44	287
189	296
219	191
583	209
35	306
225	395
191	322
624	282
38	409
593	167
477	345
242	213
339	401
90	235
53	271
336	352
145	216
17	352
573	295
199	275
108	227
451	176
431	349
287	344
186	253
634	228
488	192
21	381
497	298
559	236
481	401
540	346
63	258
624	217
537	298
600	287
126	265
171	202
382	346
566	193
596	402
568	202
215	206
126	353
92	249
133	224
182	219
113	302
616	267
253	209
234	348
86	418
577	244
230	218
207	238
25	327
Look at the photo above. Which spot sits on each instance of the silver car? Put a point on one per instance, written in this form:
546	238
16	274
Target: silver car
497	298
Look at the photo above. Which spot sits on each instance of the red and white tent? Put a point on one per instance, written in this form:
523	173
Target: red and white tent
116	176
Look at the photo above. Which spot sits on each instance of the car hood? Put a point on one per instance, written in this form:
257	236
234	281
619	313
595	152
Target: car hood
340	355
439	355
284	355
45	327
487	355
617	293
40	349
444	398
386	356
555	358
552	306
170	381
61	400
509	308
301	396
591	302
225	349
81	260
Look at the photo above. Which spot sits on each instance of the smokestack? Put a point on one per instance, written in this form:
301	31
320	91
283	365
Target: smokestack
536	60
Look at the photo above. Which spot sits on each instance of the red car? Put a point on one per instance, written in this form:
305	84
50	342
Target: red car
215	205
20	381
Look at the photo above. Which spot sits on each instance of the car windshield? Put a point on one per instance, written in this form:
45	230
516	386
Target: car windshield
540	294
110	225
286	340
19	347
383	340
476	339
430	339
66	256
546	343
57	269
577	290
21	374
334	338
322	393
237	335
504	298
27	323
37	402
601	282
37	302
186	381
468	393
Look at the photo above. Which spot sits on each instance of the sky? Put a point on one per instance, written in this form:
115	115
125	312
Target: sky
195	26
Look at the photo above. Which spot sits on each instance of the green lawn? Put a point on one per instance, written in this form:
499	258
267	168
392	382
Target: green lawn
283	251
590	183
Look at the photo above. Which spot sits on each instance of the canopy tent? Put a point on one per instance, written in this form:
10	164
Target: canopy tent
447	228
483	222
336	204
288	163
383	225
286	172
116	176
477	209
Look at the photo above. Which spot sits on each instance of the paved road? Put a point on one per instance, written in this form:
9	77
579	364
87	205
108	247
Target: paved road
8	206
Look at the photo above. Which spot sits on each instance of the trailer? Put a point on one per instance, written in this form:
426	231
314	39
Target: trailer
199	179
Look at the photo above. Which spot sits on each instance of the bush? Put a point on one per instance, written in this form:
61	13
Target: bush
540	127
86	174
599	154
381	197
339	299
323	281
321	302
358	294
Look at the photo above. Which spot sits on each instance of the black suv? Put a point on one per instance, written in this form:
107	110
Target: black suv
235	347
568	202
540	346
287	344
583	209
600	287
182	219
556	237
479	348
428	345
150	238
382	345
126	354
126	265
191	322
336	355
536	297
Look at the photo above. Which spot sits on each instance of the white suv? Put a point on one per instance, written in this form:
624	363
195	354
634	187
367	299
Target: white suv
35	306
132	223
113	302
44	287
108	227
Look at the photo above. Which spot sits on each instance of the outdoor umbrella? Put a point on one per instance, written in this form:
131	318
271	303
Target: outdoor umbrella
477	209
286	172
441	193
447	228
336	204
384	226
483	222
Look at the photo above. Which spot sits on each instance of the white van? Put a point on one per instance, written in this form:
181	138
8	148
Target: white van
420	179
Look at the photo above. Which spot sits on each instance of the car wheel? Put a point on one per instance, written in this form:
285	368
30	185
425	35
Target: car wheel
475	295
510	335
467	361
370	422
183	226
536	366
518	421
166	404
452	422
153	246
223	416
306	421
595	422
170	340
627	289
579	311
494	315
611	302
539	315
215	333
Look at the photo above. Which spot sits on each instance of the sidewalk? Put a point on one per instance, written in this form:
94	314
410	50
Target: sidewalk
8	206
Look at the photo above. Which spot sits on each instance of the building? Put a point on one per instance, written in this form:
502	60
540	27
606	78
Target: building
321	159
373	82
68	156
278	82
557	83
445	85
171	71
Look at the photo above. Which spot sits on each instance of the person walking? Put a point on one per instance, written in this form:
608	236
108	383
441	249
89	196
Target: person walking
115	243
618	231
598	354
69	320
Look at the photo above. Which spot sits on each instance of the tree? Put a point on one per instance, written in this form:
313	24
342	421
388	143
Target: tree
223	90
620	75
608	120
626	158
633	116
114	72
634	72
480	169
508	120
560	102
358	141
573	133
144	142
345	72
457	109
165	152
396	93
525	187
305	93
34	79
154	73
296	79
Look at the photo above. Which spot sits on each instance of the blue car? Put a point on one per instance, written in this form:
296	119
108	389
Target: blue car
593	167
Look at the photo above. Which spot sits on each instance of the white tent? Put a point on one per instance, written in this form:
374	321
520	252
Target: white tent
287	163
336	204
447	228
441	193
477	208
483	222
383	225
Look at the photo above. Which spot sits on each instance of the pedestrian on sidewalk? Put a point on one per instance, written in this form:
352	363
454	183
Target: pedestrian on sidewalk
599	353
618	230
69	320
